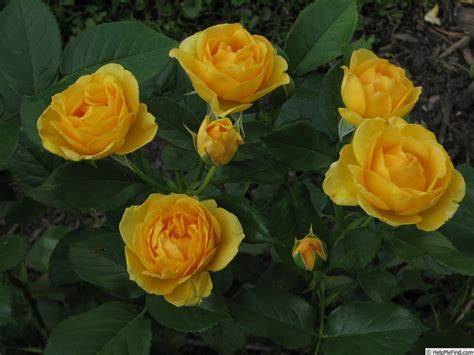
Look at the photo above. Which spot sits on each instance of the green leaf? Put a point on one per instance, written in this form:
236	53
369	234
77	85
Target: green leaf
187	319
253	224
247	268
137	47
411	244
319	33
179	159
262	171
293	213
301	146
112	328
371	329
281	316
379	285
9	136
31	165
13	249
285	277
99	259
173	119
22	211
355	249
30	45
304	101
410	279
40	254
60	270
330	100
103	187
10	98
226	337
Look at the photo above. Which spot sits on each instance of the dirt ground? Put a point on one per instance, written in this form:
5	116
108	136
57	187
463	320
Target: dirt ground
438	59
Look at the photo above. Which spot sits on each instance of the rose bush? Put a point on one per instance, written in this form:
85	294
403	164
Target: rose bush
122	238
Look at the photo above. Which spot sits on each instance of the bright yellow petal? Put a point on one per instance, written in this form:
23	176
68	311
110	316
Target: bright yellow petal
446	207
142	131
360	56
231	237
377	104
191	66
128	82
350	116
134	215
364	138
150	284
338	184
352	92
51	139
406	105
191	292
389	217
189	44
277	78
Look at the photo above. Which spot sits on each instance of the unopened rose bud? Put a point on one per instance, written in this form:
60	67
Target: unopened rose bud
309	253
218	140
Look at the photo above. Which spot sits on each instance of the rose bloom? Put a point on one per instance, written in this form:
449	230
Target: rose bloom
309	252
398	173
373	87
99	115
230	68
173	241
218	140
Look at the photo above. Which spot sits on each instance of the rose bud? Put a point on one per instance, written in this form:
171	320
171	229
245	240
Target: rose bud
218	140
309	253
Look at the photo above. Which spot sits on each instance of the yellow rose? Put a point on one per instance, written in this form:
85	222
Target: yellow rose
230	68
173	241
218	140
398	173
373	87
309	252
99	115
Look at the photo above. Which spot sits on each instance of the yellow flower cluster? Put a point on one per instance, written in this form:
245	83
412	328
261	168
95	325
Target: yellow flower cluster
172	242
394	170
